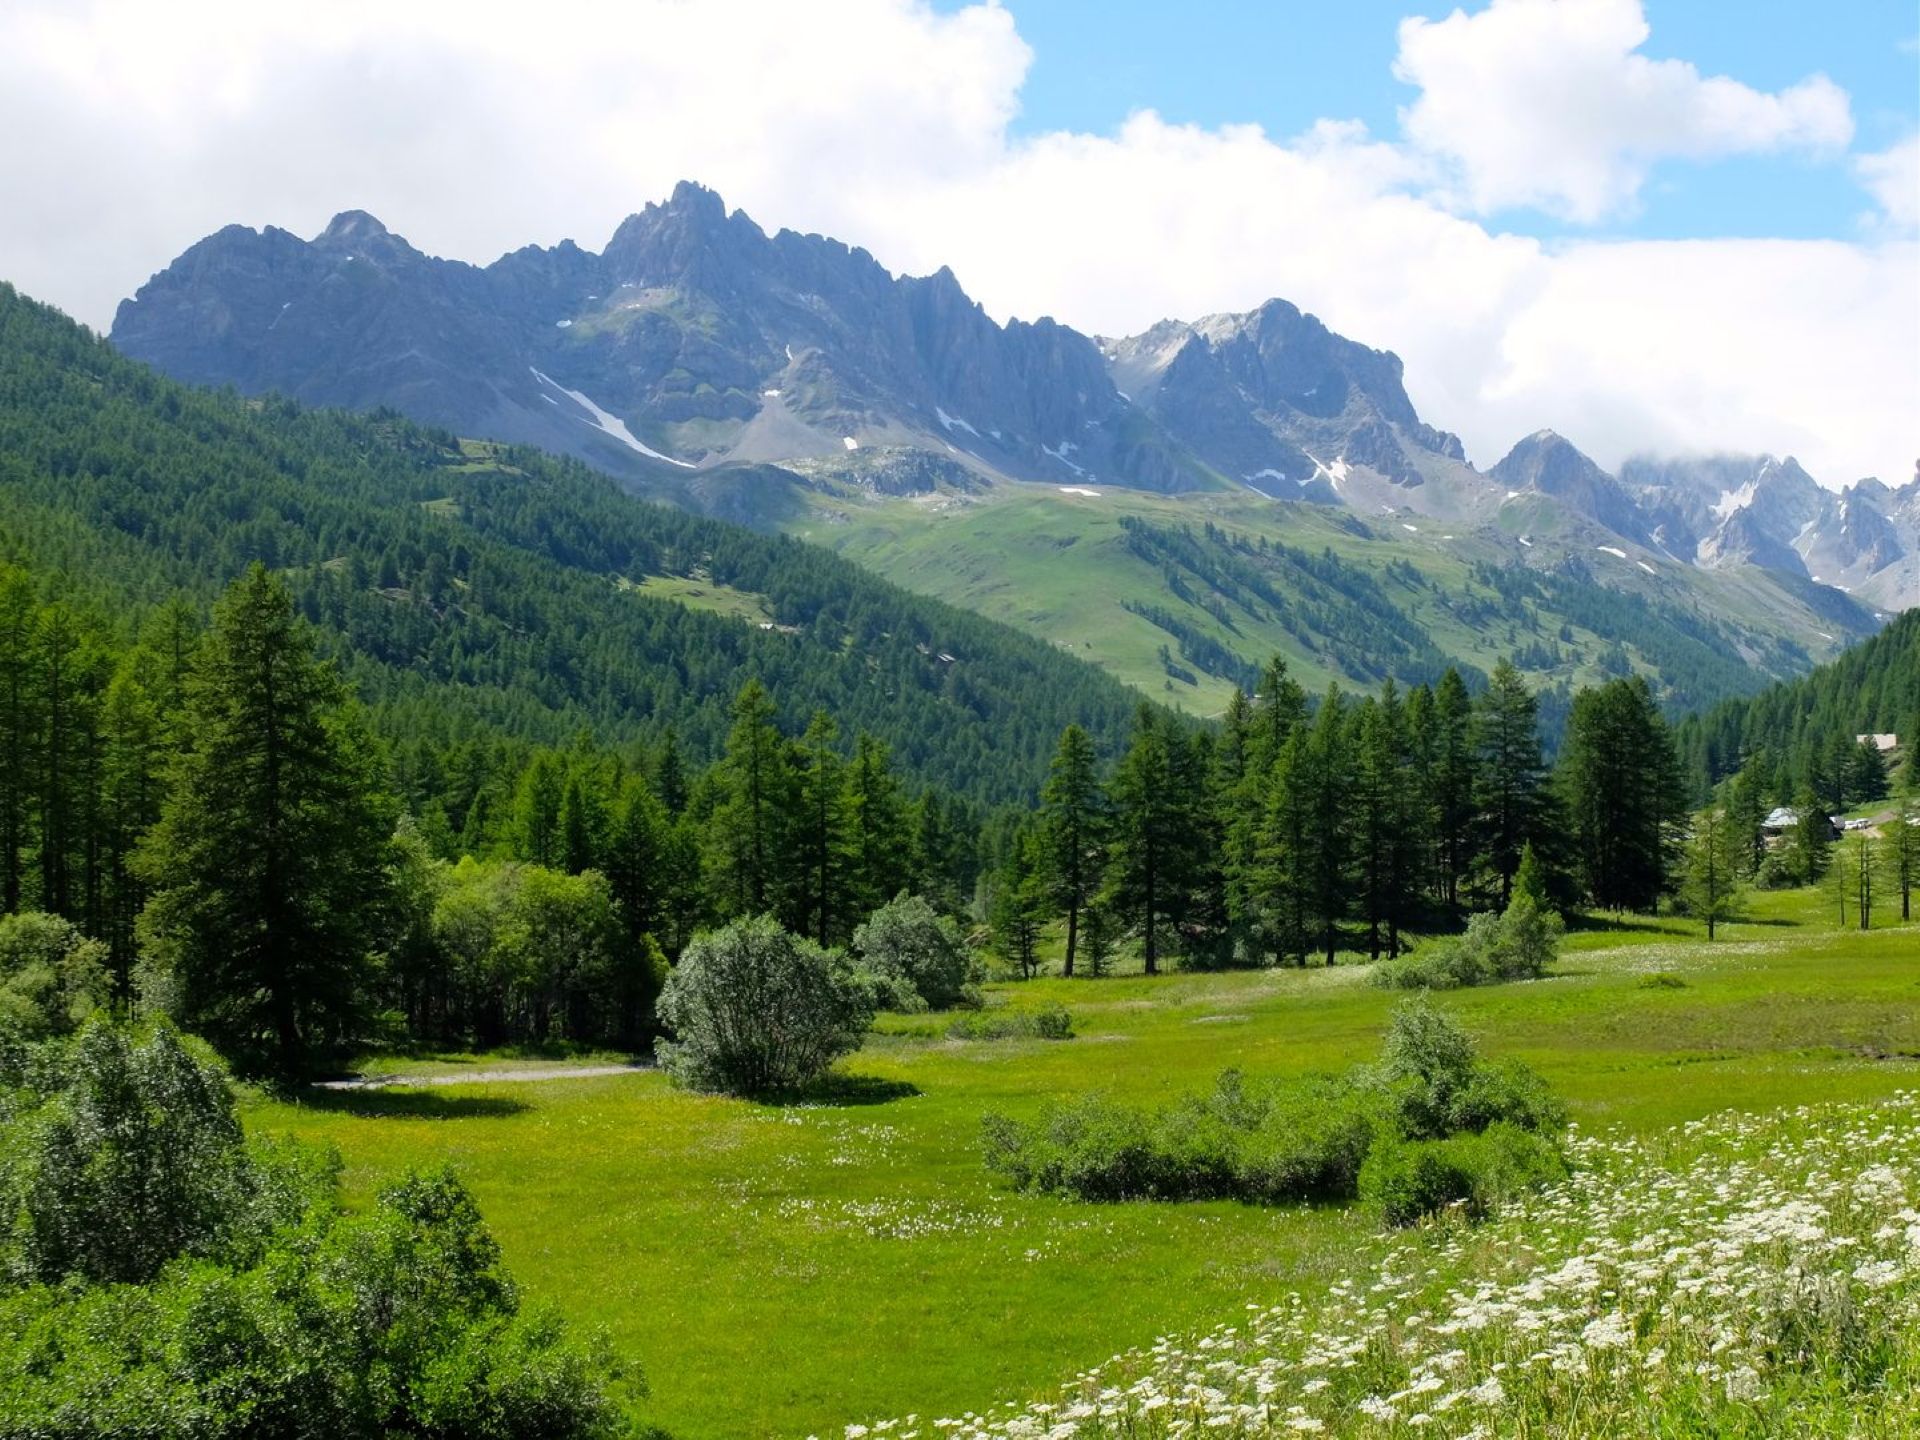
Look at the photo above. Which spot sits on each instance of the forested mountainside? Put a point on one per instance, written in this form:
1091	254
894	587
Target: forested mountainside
1806	727
792	382
473	588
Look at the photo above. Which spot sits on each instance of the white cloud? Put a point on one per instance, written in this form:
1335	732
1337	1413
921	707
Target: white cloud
474	128
1545	103
1892	177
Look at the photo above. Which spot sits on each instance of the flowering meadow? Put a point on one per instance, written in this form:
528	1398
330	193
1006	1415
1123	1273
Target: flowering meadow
1737	1276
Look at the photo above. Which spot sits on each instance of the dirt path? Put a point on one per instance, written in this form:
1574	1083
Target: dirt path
484	1077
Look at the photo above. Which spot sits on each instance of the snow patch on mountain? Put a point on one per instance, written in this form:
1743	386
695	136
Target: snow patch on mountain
605	420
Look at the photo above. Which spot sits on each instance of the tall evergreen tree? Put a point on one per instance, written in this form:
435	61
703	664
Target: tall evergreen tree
1900	843
638	862
1282	875
1018	909
1620	782
269	861
882	863
755	785
1143	856
132	785
1073	826
536	812
1711	881
1325	775
822	838
1507	787
19	733
1452	788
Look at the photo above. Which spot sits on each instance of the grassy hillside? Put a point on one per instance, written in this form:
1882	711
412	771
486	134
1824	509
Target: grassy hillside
788	1270
1399	595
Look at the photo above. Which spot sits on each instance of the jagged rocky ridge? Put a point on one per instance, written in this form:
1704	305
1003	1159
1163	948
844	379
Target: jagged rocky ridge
724	368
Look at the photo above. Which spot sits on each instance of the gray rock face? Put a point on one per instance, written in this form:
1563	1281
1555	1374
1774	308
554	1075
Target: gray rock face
1754	509
1551	465
1274	397
716	365
694	339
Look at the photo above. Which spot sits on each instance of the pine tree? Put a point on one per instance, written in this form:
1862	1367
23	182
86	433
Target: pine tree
1282	885
1325	774
1619	779
1866	775
1900	844
536	812
19	732
883	861
1453	772
1507	787
637	861
269	862
581	823
1810	839
1864	869
132	785
1711	880
1142	860
1019	905
755	780
822	831
1073	825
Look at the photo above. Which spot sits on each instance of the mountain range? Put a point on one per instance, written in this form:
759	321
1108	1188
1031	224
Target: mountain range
792	382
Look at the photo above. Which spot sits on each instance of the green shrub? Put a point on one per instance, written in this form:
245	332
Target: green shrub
1516	945
1411	1180
161	1277
1309	1144
52	977
1662	981
754	1010
1093	1148
918	957
125	1153
1431	1123
1049	1022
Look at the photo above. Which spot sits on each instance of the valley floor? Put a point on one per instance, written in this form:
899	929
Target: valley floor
787	1270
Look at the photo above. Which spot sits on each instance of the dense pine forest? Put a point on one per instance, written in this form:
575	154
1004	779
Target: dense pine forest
488	593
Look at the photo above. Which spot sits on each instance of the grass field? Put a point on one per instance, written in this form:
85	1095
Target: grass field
783	1270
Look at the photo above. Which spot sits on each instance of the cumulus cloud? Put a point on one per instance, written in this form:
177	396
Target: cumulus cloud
476	127
1545	103
1892	177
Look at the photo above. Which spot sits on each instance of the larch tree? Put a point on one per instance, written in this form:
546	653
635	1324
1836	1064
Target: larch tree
1711	881
1900	844
269	860
1508	778
1073	831
1143	854
755	778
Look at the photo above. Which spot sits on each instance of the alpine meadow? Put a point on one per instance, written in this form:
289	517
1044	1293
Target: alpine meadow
728	837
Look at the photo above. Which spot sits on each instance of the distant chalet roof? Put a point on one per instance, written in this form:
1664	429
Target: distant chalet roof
1783	817
1880	742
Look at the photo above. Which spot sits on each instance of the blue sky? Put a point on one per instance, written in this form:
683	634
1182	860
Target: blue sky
1283	65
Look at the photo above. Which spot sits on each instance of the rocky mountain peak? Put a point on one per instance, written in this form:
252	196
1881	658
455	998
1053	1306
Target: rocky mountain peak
351	227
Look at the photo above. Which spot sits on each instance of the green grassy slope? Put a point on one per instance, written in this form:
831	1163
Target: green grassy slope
1061	565
783	1271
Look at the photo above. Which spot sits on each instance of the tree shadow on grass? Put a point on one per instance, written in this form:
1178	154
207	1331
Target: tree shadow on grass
1622	925
411	1102
839	1089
